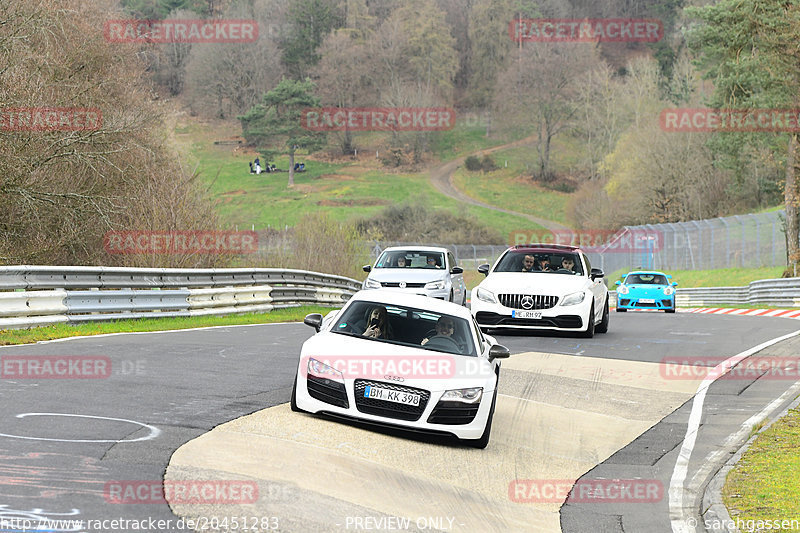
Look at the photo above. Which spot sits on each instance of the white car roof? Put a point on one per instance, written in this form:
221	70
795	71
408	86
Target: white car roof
412	247
390	297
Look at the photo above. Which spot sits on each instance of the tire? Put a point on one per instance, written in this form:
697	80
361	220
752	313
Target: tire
451	296
669	310
602	327
293	402
483	441
589	333
464	298
621	310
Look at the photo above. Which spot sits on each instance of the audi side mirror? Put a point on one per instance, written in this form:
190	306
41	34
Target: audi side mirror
498	351
314	320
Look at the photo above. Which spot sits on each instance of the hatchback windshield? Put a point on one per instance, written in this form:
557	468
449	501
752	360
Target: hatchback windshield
410	259
407	326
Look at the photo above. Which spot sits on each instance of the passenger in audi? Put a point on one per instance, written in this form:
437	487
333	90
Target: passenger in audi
377	326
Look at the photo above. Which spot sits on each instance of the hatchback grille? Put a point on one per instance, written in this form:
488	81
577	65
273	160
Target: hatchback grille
373	406
538	301
397	284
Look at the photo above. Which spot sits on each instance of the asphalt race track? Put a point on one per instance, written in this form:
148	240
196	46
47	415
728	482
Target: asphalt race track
569	409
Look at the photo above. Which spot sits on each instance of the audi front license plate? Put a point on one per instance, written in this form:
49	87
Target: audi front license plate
521	313
379	393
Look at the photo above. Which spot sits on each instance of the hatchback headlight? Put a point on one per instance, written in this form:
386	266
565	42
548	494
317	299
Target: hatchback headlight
472	395
668	291
485	296
573	299
435	285
321	370
622	289
372	284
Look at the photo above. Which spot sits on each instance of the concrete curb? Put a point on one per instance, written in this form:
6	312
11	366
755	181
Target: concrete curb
713	509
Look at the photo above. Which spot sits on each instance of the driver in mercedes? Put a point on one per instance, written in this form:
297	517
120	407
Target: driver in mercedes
444	327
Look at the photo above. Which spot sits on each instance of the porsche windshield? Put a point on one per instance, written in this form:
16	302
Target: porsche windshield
646	279
410	259
407	326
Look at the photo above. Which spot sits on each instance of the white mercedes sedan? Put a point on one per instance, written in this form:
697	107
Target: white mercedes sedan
401	360
542	286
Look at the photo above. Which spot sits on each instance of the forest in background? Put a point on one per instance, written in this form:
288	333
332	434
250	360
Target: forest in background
60	192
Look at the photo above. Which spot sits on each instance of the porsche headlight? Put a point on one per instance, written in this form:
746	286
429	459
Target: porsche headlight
573	299
622	289
485	296
435	285
321	370
472	395
668	291
372	284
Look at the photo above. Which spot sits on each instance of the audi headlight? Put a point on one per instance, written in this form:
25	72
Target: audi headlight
668	291
573	299
622	289
321	370
372	284
435	285
472	395
485	296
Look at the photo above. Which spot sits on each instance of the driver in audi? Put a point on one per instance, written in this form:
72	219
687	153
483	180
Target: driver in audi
444	327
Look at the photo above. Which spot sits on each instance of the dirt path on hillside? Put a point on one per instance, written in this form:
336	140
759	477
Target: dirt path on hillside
442	179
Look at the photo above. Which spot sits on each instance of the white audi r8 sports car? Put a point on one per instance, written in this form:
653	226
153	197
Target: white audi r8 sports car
401	360
542	286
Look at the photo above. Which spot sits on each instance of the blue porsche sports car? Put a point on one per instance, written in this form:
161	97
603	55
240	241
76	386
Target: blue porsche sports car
646	290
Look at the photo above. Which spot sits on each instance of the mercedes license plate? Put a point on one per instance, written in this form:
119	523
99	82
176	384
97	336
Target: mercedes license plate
521	313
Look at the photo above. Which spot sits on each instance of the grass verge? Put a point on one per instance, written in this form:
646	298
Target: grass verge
60	331
764	484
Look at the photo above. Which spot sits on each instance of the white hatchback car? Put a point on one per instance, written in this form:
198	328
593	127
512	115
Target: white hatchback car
542	286
427	270
404	361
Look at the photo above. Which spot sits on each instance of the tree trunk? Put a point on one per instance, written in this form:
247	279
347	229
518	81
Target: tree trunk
791	201
291	168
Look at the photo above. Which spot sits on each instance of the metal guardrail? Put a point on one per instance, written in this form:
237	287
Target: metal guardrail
783	292
43	295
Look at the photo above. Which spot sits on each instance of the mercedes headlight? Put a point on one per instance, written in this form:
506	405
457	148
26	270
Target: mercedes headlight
472	395
485	296
372	284
573	299
435	285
